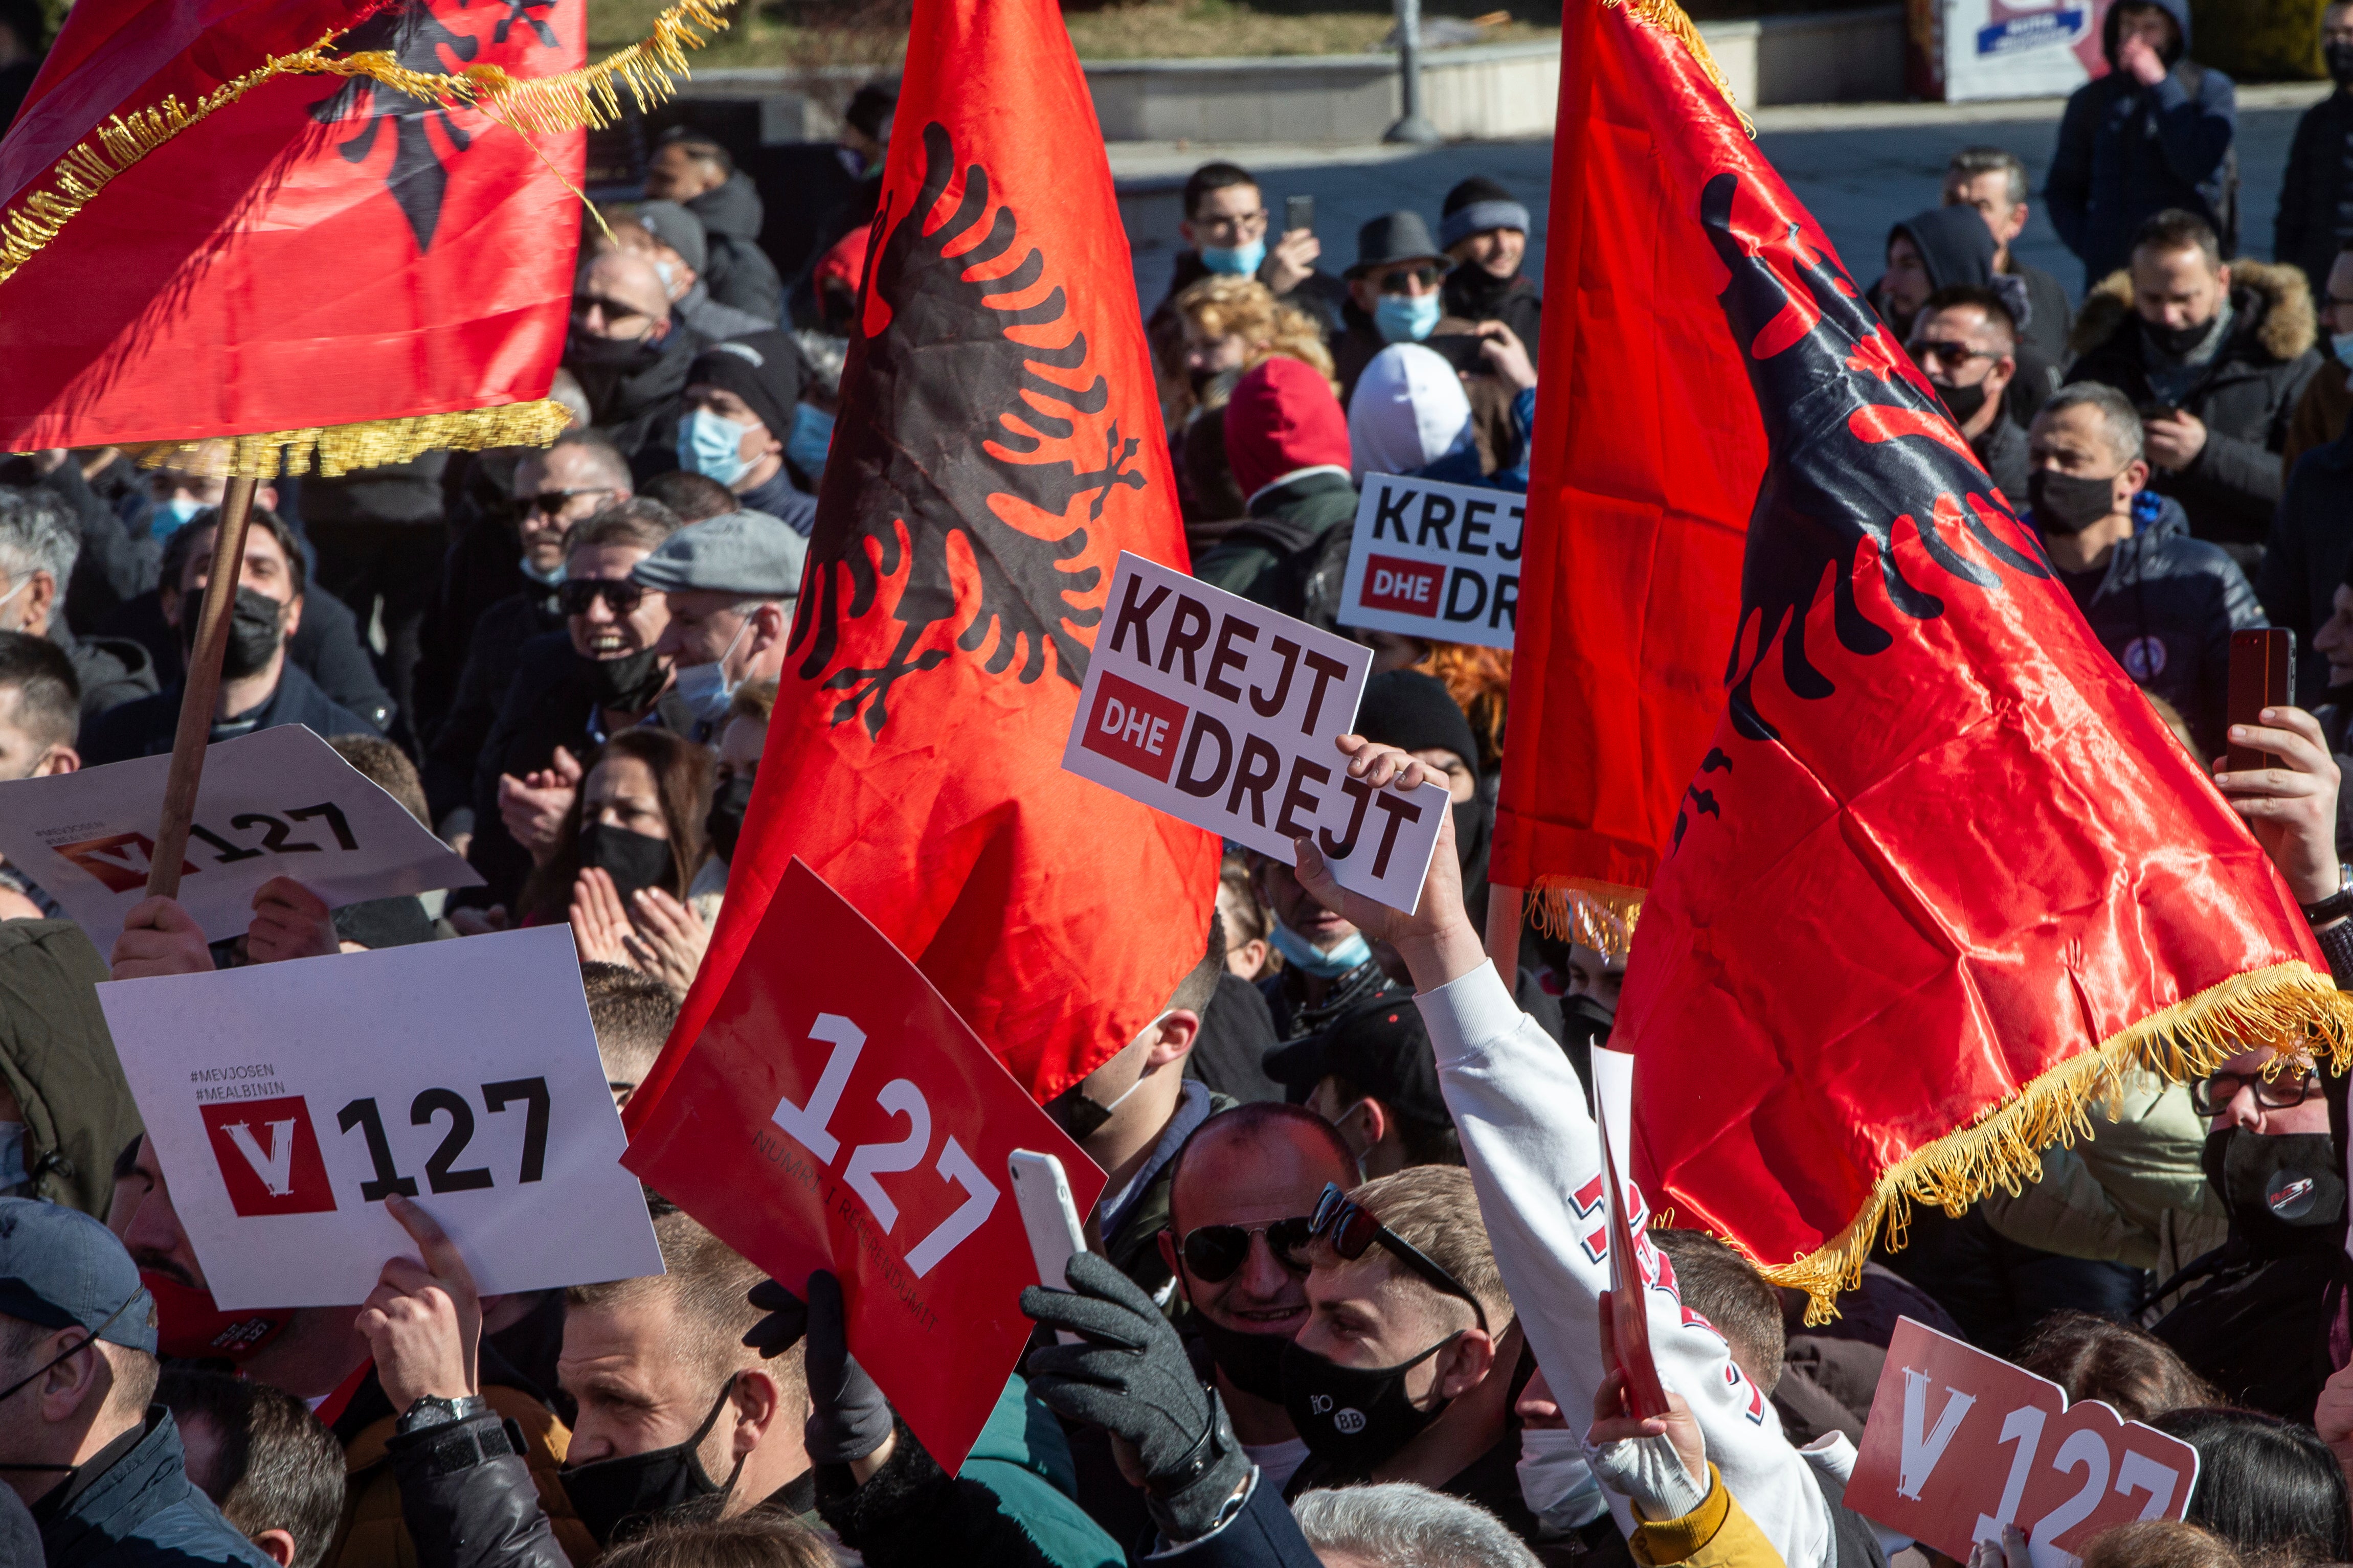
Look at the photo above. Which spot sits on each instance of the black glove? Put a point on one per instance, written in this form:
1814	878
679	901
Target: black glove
787	1322
1131	1377
848	1417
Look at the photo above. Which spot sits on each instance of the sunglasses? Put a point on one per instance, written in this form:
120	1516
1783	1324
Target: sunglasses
620	595
1949	353
2211	1094
1351	1230
550	502
1212	1252
1394	282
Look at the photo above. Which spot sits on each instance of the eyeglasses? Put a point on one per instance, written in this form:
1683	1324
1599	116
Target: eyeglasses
550	502
1949	353
1235	224
1351	1230
1212	1252
1395	282
2210	1095
620	595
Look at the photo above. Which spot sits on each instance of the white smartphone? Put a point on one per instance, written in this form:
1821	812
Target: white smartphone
1049	1214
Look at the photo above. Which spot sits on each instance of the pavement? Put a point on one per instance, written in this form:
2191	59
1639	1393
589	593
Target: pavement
1858	168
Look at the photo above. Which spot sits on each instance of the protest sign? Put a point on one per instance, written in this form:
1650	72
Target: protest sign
287	1101
1961	1443
276	803
1435	560
836	1113
1633	1269
1223	713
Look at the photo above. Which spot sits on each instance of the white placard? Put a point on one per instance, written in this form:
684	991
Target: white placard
285	1100
1223	713
1993	49
278	801
1613	1102
1435	560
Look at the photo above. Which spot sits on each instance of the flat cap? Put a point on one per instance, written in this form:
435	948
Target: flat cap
747	553
59	1269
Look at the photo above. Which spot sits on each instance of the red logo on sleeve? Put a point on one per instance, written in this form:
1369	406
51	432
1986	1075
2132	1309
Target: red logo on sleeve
1136	728
1408	588
268	1156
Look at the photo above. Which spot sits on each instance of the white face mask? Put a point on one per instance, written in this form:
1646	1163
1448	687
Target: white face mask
1556	1482
11	594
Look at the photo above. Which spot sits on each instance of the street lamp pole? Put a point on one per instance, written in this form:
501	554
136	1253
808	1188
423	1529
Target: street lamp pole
1414	127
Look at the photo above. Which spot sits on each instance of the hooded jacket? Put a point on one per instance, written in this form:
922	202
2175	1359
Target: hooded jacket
2164	606
2315	219
110	670
1282	424
1957	248
2127	153
2245	394
739	273
58	1060
132	1506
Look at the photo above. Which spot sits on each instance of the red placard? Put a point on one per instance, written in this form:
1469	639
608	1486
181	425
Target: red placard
1961	1443
1630	1312
836	1113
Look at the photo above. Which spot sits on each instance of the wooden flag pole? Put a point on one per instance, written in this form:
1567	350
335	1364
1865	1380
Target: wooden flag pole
203	690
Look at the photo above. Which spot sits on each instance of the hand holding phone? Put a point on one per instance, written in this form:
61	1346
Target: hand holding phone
1298	213
2263	675
1051	1216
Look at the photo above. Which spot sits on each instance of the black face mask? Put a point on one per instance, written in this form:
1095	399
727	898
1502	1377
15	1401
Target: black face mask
1353	1417
2340	63
618	1497
1075	1114
726	823
1251	1363
2176	341
2068	503
623	354
629	684
2285	1190
1963	402
631	859
254	620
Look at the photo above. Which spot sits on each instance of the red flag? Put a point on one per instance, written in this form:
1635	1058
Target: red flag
1942	874
242	217
1638	504
998	444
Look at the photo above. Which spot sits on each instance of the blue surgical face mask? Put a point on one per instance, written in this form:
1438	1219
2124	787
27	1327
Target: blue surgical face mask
704	688
712	447
1406	317
2341	345
173	515
1304	955
812	438
1234	260
552	577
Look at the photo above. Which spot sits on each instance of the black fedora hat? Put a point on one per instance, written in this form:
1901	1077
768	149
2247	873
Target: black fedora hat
1393	238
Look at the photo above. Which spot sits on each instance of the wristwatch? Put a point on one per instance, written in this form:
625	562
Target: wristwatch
431	1410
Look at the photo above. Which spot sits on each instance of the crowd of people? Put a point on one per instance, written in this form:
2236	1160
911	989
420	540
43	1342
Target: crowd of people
1333	1309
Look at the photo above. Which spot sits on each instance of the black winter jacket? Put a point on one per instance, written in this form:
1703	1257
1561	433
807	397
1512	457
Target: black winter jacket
132	1506
110	670
2164	606
326	646
1476	295
146	728
2314	217
468	1500
2311	545
493	657
737	270
2245	395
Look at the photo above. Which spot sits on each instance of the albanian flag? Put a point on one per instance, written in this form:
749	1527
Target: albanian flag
998	444
342	226
1643	476
1942	874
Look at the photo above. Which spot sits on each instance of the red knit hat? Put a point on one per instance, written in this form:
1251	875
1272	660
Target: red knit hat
1282	417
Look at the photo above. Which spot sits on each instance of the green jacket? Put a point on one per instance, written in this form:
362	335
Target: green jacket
1266	559
2133	1193
58	1059
1023	1458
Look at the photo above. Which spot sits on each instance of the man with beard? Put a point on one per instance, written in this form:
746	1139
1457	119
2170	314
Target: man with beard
1966	341
2163	603
631	352
1485	229
572	690
1244	1183
258	687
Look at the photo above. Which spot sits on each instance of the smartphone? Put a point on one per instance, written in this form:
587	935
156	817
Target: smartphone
2263	675
1298	213
1461	350
2149	411
1048	1213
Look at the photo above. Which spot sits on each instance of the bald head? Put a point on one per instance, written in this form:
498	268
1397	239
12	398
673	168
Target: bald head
620	295
1252	1155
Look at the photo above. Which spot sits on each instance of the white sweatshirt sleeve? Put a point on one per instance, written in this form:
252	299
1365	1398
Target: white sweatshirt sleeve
1535	1159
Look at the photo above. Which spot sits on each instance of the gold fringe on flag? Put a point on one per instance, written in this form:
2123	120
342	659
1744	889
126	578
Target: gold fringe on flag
1598	915
1668	17
2300	1015
339	449
570	100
